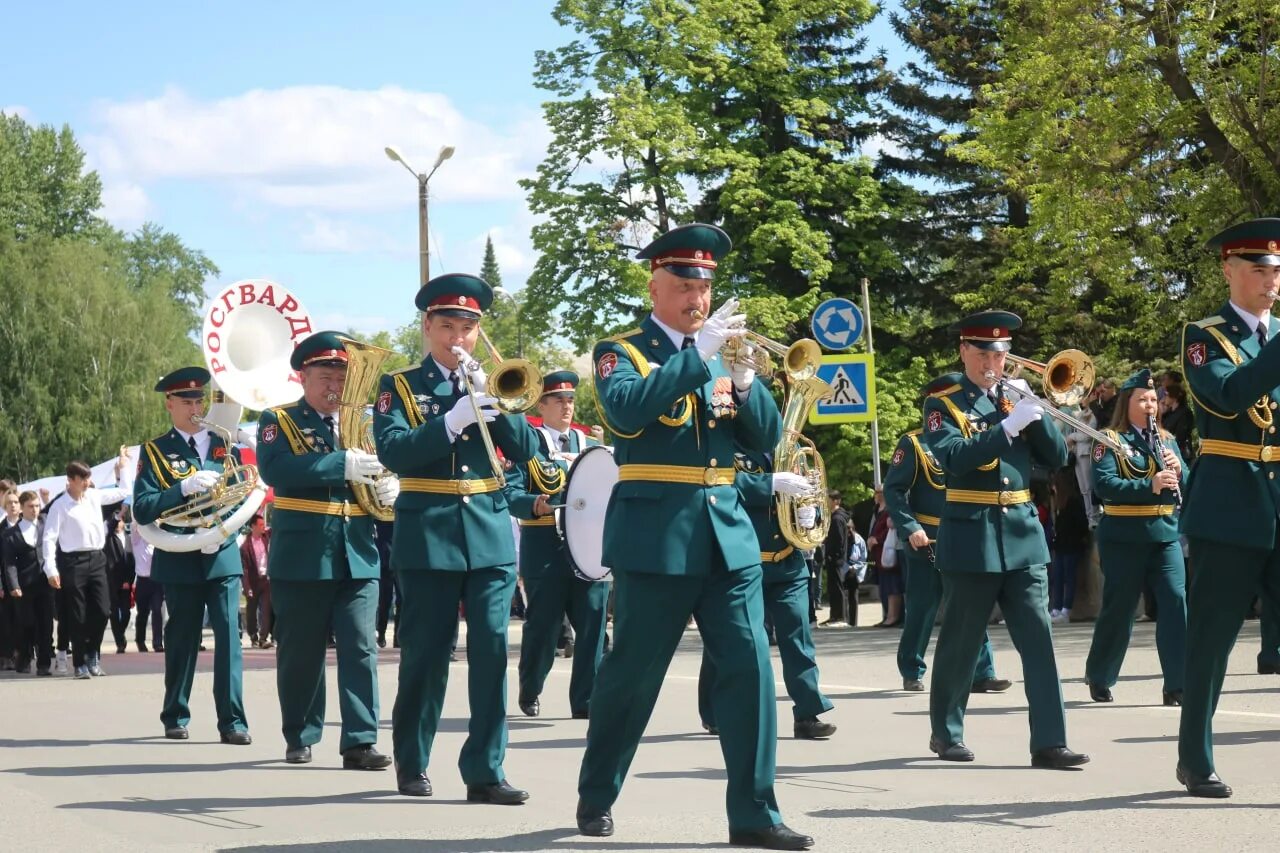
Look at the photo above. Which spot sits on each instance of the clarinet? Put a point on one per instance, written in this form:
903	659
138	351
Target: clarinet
1157	450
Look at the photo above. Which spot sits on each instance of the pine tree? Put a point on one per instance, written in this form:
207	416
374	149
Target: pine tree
489	268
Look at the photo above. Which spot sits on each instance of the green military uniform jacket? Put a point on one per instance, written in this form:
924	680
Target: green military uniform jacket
668	407
915	489
962	429
1233	382
163	464
542	552
299	458
453	531
1125	488
754	480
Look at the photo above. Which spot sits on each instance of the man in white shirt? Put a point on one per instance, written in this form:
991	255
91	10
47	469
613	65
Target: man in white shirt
72	544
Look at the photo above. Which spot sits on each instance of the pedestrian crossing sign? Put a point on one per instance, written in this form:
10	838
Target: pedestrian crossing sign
853	392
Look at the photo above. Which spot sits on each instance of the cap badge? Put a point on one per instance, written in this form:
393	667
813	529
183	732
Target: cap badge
462	300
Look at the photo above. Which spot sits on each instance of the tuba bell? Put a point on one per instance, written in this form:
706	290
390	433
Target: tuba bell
355	424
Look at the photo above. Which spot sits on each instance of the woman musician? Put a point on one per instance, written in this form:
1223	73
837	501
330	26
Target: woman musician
1138	540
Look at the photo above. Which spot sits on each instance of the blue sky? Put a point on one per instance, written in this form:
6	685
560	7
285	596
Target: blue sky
256	132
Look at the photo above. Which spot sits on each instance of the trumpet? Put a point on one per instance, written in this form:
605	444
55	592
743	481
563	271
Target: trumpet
515	384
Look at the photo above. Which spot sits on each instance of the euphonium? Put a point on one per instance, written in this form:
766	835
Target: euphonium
355	425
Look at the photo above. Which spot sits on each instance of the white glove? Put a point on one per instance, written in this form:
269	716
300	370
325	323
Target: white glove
786	483
719	327
1024	412
200	481
807	517
387	489
463	414
212	548
477	378
243	437
361	467
744	375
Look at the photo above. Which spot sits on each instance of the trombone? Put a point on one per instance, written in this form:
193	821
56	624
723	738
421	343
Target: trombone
515	384
1067	378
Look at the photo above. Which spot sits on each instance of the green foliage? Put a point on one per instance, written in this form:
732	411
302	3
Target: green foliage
489	268
44	190
82	349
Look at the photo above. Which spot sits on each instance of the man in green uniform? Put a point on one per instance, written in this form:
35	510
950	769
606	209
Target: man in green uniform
550	585
914	493
680	542
323	563
187	461
786	595
452	540
1232	364
991	548
1138	542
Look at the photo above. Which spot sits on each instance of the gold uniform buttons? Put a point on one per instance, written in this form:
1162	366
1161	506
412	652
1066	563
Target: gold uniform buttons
711	424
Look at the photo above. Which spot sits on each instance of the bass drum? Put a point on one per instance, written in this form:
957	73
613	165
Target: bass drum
581	519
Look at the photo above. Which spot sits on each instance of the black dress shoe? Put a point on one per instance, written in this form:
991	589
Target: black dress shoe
1268	668
1057	758
416	785
813	729
43	671
142	647
581	715
593	821
777	837
1203	786
237	738
913	685
299	755
364	757
950	752
530	707
991	685
1172	698
177	733
1098	693
498	793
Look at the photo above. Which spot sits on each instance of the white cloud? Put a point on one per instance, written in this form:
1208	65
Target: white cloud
512	248
877	146
16	110
326	234
366	324
315	147
124	204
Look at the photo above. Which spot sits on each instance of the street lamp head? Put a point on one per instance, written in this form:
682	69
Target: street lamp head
446	151
393	155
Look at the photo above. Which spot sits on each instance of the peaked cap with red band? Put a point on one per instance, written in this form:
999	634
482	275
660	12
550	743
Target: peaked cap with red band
1256	241
989	330
560	382
323	349
690	251
185	382
455	295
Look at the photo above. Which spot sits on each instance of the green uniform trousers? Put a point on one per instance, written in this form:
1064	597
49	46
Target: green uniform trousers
1269	624
428	620
787	603
550	597
1126	567
182	633
924	595
650	613
306	611
1023	596
1224	580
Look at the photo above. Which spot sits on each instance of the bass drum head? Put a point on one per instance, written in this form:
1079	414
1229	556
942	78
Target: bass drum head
590	483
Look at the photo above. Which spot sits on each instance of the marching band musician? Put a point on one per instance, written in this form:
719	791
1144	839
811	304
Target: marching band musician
551	587
187	461
991	548
323	563
453	540
785	581
1138	542
1232	364
679	541
914	494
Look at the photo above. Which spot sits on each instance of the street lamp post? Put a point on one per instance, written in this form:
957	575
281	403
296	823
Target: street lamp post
424	246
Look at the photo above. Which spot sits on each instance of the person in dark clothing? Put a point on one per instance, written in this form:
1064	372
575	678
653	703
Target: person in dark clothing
1178	420
835	552
1070	542
120	576
388	586
1102	401
32	598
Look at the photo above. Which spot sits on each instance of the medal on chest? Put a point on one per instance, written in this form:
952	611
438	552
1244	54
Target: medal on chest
722	405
